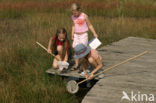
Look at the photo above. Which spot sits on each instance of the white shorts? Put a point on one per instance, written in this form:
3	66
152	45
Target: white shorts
80	38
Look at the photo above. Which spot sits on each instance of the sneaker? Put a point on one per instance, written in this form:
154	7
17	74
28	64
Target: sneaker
82	73
101	76
88	71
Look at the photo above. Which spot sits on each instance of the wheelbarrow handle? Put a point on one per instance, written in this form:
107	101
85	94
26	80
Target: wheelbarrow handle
125	61
47	50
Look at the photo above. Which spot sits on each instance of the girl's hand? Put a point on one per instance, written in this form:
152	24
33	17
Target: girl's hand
49	51
86	76
95	35
91	76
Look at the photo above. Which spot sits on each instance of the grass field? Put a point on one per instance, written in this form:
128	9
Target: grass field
23	22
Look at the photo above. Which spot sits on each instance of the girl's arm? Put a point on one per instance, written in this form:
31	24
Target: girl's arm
91	26
73	31
99	66
49	46
66	56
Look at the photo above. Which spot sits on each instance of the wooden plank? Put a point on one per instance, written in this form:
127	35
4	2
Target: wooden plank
68	73
137	75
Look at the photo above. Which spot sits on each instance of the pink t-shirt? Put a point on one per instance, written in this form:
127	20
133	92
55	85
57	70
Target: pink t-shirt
80	23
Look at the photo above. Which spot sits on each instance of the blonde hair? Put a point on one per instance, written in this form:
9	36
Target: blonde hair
75	7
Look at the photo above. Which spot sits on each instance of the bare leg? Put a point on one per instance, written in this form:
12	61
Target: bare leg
55	65
92	62
60	51
76	64
95	64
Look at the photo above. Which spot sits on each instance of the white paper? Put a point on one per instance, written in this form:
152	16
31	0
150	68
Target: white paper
95	43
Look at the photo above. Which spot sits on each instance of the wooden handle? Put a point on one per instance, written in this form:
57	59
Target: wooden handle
47	50
125	61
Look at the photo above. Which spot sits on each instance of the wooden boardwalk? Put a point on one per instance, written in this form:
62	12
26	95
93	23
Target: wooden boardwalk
138	76
67	73
135	76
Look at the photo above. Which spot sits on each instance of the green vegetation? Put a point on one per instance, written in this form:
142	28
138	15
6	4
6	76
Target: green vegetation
23	22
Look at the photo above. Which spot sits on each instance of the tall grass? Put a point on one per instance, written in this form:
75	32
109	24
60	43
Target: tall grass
23	63
107	8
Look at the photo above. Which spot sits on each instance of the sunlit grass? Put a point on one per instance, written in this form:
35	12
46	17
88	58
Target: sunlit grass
23	63
107	8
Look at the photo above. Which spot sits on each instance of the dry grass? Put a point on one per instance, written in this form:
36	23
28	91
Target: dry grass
23	63
108	8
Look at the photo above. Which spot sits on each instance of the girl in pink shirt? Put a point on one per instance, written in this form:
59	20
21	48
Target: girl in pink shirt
80	27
